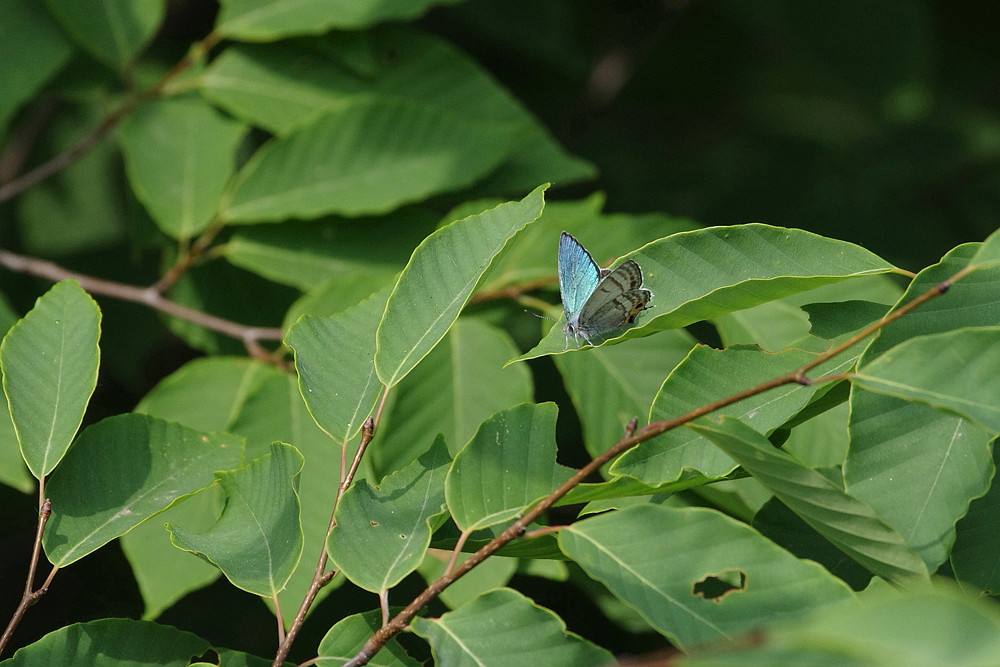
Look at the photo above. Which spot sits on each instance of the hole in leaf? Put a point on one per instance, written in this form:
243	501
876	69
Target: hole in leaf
374	523
717	586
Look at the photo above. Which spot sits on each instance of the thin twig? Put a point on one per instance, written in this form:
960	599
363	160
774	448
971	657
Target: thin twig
320	577
457	550
518	528
513	291
30	594
143	295
93	138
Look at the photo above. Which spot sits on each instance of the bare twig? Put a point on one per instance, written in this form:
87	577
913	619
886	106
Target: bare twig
31	594
518	527
142	295
321	579
17	185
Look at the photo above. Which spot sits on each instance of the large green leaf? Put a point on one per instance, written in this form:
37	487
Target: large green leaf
925	628
457	386
84	206
847	522
705	273
112	642
334	357
257	541
956	371
505	628
510	462
178	156
308	253
366	157
207	395
271	20
122	471
163	573
662	561
611	385
704	376
916	466
440	278
49	361
279	86
975	557
32	49
382	534
348	636
276	412
113	32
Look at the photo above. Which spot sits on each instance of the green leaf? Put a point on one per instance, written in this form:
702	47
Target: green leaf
32	49
280	86
494	572
271	20
458	385
786	529
505	628
307	254
988	254
111	32
971	302
706	376
112	642
83	207
276	412
366	157
847	522
919	467
438	281
975	556
334	358
956	371
206	394
382	534
508	464
49	361
924	628
257	541
122	471
178	156
163	573
660	560
348	636
609	386
706	273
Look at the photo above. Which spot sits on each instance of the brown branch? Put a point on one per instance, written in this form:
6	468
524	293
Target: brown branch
517	528
56	164
30	594
512	291
142	295
321	578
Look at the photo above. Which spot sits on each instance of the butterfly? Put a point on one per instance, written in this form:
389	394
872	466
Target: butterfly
597	300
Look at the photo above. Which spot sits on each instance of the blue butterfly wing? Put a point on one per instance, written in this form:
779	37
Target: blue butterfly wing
579	276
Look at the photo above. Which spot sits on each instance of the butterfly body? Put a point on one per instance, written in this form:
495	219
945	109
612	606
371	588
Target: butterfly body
596	300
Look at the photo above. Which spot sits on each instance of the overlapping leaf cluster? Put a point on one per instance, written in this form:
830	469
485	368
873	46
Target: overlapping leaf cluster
315	154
